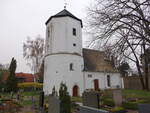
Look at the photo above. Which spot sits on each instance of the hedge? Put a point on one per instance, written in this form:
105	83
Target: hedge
30	84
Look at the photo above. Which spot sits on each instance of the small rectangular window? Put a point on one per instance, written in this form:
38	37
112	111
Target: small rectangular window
71	67
89	75
74	31
48	32
108	81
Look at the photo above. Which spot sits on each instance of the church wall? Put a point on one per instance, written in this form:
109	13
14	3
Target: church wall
89	77
63	48
57	70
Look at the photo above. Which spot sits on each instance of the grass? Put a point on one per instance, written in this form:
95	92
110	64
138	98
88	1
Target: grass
25	97
136	94
34	93
76	99
132	98
26	102
128	93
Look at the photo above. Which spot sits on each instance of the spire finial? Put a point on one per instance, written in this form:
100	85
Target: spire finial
65	4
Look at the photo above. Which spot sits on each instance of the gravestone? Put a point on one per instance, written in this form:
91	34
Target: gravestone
117	97
91	99
54	105
144	108
41	99
18	96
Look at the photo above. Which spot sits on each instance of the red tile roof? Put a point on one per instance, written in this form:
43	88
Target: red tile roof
27	77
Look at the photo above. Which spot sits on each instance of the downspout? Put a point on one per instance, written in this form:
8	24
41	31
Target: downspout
84	84
105	80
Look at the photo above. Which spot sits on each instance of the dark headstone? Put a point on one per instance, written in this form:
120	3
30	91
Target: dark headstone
41	99
85	109
144	108
91	99
54	105
18	96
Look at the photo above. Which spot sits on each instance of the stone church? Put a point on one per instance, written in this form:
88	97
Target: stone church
66	61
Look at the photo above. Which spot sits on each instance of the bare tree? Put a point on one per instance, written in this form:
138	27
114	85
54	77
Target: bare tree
4	66
33	52
41	73
124	25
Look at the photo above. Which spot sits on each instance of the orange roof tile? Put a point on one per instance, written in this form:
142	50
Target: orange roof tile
27	76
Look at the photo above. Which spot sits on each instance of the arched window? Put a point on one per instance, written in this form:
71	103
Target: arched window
108	81
71	67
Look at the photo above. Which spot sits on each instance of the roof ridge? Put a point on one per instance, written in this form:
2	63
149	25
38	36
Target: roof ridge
65	12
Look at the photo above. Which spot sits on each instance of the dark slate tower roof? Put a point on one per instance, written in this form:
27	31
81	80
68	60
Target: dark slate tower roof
64	13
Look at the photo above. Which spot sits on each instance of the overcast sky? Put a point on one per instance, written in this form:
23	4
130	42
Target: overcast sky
22	18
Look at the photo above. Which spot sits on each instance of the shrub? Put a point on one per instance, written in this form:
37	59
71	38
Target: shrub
30	84
12	81
65	100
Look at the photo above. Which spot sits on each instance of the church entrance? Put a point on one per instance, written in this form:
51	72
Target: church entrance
75	91
96	84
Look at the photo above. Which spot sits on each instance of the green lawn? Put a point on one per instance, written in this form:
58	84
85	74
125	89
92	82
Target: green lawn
33	93
136	94
26	103
25	97
76	99
128	93
131	98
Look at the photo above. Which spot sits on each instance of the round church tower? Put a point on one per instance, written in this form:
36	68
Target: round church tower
63	60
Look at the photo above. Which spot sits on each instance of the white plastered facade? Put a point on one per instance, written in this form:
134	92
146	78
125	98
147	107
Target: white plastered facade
61	52
89	77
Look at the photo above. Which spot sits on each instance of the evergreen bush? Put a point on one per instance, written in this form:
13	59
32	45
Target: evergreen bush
65	100
12	82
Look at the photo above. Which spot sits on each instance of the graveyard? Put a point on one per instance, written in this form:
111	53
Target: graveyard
29	102
87	56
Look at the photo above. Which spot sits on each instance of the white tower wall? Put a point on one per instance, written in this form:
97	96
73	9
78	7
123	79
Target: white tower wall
57	70
61	38
62	49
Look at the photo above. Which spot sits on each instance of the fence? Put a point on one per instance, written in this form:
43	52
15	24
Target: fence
133	82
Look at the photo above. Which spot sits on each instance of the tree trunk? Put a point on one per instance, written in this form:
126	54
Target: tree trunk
140	74
146	68
138	66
